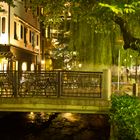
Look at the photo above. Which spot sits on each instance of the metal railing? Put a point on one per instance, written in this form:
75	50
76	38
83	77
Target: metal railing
50	84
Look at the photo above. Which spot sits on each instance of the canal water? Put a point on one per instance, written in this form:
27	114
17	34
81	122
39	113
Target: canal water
53	126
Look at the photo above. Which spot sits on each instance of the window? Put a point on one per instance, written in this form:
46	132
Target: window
24	66
21	31
33	39
3	24
15	30
32	67
30	36
37	40
38	11
25	31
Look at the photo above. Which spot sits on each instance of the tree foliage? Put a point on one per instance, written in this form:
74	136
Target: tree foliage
8	1
99	12
95	25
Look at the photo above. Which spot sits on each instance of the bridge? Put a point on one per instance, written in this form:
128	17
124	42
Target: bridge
55	91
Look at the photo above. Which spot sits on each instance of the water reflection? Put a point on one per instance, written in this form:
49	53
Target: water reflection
70	117
54	126
37	117
31	117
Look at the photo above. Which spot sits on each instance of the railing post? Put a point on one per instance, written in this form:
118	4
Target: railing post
59	84
106	91
15	83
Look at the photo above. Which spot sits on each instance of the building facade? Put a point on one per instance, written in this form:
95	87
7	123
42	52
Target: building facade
19	37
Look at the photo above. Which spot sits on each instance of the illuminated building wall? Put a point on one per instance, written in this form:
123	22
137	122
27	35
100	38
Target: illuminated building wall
19	37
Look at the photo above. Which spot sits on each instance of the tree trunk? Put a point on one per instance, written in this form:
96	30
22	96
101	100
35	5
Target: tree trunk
129	41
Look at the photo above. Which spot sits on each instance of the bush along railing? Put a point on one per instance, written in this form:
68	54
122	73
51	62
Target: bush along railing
125	117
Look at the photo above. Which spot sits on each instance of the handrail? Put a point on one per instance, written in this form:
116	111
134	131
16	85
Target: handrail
51	84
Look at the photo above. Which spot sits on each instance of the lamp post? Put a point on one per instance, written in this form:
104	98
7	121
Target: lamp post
136	71
130	67
119	70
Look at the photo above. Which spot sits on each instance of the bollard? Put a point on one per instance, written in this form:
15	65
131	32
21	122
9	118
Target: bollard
135	89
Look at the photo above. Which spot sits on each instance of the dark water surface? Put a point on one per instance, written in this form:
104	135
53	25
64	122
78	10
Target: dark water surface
54	126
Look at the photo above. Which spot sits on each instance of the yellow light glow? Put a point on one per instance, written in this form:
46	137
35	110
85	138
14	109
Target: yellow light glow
16	65
69	14
80	65
31	117
24	66
31	113
42	62
32	67
70	117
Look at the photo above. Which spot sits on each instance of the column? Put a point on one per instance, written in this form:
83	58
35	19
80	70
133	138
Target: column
106	90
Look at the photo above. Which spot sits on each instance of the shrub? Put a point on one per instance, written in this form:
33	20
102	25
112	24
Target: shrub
125	117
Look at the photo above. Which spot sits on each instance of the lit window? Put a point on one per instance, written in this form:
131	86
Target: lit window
24	66
16	65
32	67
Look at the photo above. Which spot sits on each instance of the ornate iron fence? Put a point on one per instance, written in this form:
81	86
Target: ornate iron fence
50	84
38	84
81	84
6	84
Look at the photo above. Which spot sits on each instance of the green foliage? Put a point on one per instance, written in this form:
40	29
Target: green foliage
128	57
92	25
125	117
8	1
84	9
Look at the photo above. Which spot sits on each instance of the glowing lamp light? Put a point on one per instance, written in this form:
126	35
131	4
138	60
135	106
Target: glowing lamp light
80	65
74	53
24	66
32	67
42	62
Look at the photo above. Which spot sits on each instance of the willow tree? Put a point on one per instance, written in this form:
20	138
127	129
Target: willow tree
96	26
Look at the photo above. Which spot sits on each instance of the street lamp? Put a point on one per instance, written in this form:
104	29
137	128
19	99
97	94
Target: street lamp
119	70
130	61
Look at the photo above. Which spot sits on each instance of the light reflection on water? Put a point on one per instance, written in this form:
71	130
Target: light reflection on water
37	117
34	117
70	117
